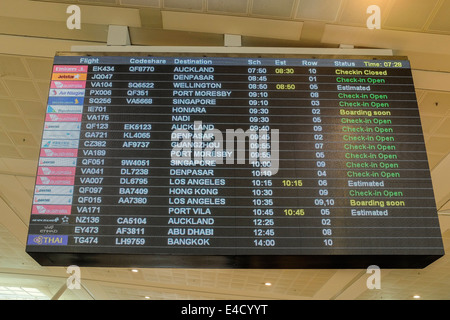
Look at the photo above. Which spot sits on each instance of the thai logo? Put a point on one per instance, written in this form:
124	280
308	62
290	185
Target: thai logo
38	239
47	240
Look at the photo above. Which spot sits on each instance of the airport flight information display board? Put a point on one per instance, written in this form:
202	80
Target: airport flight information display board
243	161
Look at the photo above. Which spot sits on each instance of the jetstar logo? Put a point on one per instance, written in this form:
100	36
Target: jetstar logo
69	76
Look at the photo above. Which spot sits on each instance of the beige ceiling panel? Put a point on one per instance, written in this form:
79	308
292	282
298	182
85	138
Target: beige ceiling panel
409	14
9	151
434	159
3	91
4	138
150	18
248	42
444	128
441	21
7	107
270	8
23	139
29	153
38	47
195	5
13	124
427	60
265	28
60	1
430	124
446	208
334	285
389	39
438	144
321	10
22	89
11	66
141	3
354	12
431	80
420	94
52	29
312	32
404	284
17	234
43	87
427	136
32	10
435	104
444	222
33	109
20	167
15	196
158	37
51	11
41	68
98	1
37	126
441	176
110	15
229	6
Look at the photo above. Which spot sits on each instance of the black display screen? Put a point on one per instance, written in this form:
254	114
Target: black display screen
277	162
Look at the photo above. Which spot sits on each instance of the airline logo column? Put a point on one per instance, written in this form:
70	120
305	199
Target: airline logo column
55	179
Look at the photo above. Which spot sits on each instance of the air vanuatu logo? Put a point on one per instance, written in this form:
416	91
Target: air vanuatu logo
47	240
